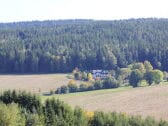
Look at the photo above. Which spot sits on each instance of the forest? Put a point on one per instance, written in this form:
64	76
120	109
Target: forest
62	45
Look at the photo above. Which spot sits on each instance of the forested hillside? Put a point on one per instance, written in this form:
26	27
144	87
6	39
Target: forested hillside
60	46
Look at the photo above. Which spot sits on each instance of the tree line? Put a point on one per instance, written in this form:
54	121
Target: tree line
60	46
135	75
16	110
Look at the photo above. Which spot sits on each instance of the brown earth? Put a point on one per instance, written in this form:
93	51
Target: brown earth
33	83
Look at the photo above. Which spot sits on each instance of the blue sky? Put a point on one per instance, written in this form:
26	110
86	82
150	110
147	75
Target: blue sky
28	10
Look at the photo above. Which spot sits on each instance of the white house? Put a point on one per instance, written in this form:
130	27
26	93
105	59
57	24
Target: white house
100	74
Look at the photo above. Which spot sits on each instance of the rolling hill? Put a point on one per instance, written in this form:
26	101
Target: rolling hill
144	101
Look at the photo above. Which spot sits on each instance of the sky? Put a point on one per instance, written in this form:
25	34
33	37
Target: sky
29	10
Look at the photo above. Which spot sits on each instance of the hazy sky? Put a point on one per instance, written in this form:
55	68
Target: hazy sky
27	10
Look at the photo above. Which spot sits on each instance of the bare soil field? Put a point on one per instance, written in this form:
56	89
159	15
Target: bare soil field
33	83
144	101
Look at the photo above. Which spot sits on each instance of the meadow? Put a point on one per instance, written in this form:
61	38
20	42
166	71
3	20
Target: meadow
33	83
144	101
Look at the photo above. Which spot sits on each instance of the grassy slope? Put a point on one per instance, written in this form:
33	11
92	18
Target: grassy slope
145	101
87	93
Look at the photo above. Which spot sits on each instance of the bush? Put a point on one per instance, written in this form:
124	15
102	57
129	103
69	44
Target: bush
110	82
142	83
135	77
77	76
51	92
34	120
89	77
90	87
64	89
72	87
98	85
80	118
10	115
84	76
83	87
154	76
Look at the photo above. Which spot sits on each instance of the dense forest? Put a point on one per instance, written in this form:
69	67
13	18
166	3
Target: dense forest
60	46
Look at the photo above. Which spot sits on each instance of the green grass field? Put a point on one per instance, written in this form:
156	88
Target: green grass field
86	93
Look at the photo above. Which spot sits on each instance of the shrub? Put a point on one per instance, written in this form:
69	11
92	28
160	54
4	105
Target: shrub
90	87
142	83
72	82
98	85
89	114
72	87
89	77
51	92
110	82
84	76
83	87
154	76
34	120
80	118
64	89
10	115
158	76
77	76
135	77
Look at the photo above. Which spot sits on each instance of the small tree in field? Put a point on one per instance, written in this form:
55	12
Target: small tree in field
148	66
78	75
149	77
98	85
90	77
123	74
135	77
72	86
64	89
154	76
158	76
84	76
110	82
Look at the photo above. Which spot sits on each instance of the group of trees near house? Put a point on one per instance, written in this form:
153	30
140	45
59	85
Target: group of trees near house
60	46
15	112
136	74
144	72
107	83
